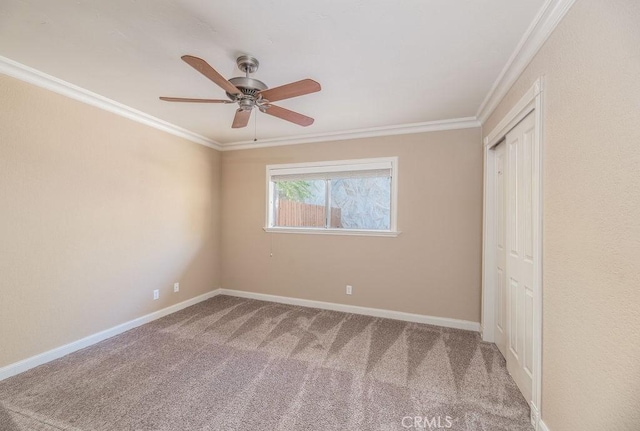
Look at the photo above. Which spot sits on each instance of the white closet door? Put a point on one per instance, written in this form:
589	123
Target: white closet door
519	256
501	258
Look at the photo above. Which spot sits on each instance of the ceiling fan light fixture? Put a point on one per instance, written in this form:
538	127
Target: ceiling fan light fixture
246	104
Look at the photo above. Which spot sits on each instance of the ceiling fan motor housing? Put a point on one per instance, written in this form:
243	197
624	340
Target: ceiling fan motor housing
248	86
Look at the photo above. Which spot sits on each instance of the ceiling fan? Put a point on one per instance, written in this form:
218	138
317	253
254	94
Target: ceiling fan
250	93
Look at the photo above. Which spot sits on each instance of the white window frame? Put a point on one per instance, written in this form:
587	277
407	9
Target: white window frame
334	166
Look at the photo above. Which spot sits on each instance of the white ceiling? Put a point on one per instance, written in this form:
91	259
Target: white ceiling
380	63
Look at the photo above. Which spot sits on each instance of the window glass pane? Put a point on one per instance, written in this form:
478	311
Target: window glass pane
299	203
361	203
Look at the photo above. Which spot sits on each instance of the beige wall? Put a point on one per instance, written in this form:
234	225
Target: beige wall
96	211
432	268
591	318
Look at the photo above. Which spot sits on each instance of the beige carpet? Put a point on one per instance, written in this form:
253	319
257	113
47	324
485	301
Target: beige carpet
239	364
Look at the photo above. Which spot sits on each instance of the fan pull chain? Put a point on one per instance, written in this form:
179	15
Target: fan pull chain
255	126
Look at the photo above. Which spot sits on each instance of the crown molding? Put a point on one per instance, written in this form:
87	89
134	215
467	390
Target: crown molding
401	129
536	35
27	74
40	79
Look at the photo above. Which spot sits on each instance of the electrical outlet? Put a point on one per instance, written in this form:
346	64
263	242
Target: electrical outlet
349	290
176	287
156	294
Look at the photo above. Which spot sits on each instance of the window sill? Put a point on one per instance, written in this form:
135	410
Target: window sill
322	231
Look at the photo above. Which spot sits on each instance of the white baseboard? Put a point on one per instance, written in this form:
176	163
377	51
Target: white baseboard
535	415
34	361
26	364
542	426
375	312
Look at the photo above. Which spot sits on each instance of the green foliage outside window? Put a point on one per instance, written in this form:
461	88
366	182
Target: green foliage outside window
294	190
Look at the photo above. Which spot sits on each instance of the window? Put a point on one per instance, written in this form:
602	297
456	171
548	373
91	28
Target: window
350	197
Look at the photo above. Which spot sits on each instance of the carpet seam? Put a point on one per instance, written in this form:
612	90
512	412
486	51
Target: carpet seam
21	413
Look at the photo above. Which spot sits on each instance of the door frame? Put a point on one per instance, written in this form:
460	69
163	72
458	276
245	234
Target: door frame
531	102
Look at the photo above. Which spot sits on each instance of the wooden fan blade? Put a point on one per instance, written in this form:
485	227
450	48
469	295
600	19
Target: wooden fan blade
285	114
288	91
182	99
241	119
203	67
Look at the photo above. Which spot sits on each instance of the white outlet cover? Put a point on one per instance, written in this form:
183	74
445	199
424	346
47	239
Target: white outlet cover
156	294
349	290
176	287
